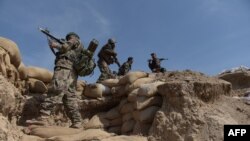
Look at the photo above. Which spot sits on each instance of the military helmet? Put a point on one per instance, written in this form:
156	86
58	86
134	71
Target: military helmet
153	54
130	58
72	33
111	41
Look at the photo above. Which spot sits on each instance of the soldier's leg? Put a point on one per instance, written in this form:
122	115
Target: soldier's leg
105	71
70	100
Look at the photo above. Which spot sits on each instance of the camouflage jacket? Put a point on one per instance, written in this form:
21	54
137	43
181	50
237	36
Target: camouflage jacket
154	64
125	68
107	54
66	54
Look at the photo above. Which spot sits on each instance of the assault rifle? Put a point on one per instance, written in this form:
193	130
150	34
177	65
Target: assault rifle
162	59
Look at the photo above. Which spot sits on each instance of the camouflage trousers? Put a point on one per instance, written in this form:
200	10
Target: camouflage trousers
62	89
105	71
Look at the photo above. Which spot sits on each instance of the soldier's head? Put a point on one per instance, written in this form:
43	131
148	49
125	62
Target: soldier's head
153	55
112	42
71	35
130	60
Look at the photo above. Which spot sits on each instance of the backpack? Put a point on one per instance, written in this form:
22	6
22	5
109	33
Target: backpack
84	63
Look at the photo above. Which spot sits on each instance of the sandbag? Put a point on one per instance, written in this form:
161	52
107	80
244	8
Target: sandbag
138	83
127	108
13	50
143	102
113	113
50	131
31	138
147	115
119	91
141	128
116	122
127	117
4	61
115	129
133	95
97	121
40	74
149	89
110	82
122	102
80	85
86	135
131	77
126	138
23	72
96	90
128	126
37	86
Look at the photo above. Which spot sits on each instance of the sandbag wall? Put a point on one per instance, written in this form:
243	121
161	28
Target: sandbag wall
135	112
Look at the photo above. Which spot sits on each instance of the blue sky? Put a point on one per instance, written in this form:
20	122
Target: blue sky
208	36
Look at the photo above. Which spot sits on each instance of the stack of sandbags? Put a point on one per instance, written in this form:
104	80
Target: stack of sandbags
115	120
98	121
96	90
38	79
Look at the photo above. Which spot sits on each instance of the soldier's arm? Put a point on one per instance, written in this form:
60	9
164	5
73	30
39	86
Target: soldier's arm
109	51
71	44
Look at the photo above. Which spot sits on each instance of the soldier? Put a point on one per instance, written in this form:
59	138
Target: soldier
155	64
126	67
107	56
64	81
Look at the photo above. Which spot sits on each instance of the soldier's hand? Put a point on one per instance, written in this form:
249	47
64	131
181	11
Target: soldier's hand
53	45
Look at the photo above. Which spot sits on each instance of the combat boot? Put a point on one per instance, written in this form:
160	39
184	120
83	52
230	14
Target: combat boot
77	125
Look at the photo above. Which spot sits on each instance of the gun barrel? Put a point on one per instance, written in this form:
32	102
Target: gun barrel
46	32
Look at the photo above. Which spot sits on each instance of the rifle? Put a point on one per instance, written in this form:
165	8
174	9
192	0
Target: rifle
50	38
162	59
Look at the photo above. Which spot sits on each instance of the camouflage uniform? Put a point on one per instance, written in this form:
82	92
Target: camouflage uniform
106	57
155	64
126	67
63	83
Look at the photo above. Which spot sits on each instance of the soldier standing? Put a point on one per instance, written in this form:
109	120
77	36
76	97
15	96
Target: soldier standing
155	64
64	81
107	56
126	67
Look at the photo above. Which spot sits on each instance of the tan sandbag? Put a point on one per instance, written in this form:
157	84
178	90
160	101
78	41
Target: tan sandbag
149	89
50	131
13	50
133	95
141	128
127	108
4	62
126	138
115	129
12	74
37	86
96	90
31	138
122	102
40	74
127	117
128	126
113	113
131	77
116	122
119	90
23	72
80	85
97	121
86	135
110	82
147	115
143	102
139	82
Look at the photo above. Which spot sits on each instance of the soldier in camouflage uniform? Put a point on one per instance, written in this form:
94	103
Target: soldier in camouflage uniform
107	56
126	67
64	81
155	64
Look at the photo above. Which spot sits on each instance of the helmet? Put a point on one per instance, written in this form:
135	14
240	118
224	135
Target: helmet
72	33
153	54
130	58
111	41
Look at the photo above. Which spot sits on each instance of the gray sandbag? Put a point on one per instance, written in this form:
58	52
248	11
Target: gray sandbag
149	89
130	77
13	50
143	102
116	122
127	108
147	115
37	86
127	117
96	90
113	113
40	74
115	129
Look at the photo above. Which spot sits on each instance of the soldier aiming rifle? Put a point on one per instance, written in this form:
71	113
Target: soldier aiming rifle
155	63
